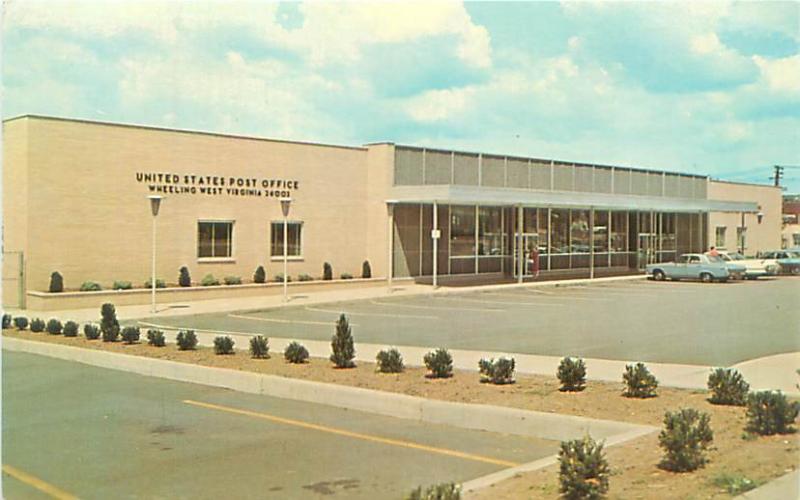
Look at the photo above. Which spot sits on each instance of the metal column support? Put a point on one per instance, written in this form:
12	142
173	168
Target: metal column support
591	243
390	253
435	243
741	236
520	250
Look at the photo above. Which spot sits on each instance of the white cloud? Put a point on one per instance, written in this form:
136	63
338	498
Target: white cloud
439	105
781	75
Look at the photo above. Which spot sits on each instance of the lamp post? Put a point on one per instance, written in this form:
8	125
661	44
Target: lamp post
155	204
285	204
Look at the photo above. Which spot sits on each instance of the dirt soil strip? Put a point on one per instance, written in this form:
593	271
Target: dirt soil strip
634	464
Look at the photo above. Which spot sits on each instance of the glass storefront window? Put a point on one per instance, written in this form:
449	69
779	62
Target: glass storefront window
579	231
560	231
619	231
462	231
668	232
600	232
543	225
490	231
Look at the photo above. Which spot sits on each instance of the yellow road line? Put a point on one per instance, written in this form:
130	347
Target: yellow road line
37	483
357	435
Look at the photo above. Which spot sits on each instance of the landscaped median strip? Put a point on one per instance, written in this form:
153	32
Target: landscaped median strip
351	434
37	483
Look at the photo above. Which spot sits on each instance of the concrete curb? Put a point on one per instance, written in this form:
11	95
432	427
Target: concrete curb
470	416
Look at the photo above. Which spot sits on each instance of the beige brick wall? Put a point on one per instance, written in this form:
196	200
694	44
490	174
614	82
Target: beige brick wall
760	237
89	217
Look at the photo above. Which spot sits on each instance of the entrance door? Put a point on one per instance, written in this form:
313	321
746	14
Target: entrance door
647	250
530	242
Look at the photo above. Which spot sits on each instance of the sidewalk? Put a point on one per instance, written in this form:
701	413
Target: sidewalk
399	289
785	487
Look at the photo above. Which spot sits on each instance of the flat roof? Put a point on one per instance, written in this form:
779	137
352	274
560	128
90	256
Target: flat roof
182	131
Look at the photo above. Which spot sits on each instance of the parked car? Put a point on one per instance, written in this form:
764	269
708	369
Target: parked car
690	266
788	261
737	270
754	268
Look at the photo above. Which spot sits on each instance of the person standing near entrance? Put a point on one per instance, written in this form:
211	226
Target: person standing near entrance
534	259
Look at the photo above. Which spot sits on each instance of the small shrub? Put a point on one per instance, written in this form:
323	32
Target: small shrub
346	276
122	285
70	329
769	412
6	321
109	326
295	353
572	374
259	347
639	382
56	283
727	387
186	340
390	361
159	283
90	286
156	338
685	438
131	334
260	276
443	491
366	270
21	322
440	363
342	344
500	371
91	331
223	345
232	280
734	484
209	280
583	469
327	271
279	278
304	277
54	327
184	279
37	325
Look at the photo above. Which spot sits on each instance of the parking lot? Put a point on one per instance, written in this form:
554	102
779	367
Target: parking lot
667	322
97	433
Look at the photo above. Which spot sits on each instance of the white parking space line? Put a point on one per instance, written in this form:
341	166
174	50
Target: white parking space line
435	308
498	302
277	320
202	330
566	297
384	315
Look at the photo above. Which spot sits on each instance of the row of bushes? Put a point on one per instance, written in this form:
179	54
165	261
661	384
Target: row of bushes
185	280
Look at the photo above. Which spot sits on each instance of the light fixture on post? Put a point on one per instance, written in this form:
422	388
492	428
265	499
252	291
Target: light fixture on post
286	203
155	205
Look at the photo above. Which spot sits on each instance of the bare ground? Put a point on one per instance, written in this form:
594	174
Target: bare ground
634	464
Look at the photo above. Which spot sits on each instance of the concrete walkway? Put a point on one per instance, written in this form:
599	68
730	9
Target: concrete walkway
785	487
399	289
770	373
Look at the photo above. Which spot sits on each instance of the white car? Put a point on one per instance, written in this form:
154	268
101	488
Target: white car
754	268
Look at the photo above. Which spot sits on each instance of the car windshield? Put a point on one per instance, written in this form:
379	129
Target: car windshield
714	258
736	256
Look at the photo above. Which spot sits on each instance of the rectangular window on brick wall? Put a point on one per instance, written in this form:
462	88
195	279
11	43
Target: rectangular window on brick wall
293	242
719	240
214	239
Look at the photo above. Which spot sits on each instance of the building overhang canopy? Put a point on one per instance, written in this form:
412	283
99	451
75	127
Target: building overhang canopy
473	195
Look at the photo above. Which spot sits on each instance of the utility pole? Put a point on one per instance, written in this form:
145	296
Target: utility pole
778	175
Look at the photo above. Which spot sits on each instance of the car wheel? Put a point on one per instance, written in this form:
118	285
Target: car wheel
796	270
658	275
706	278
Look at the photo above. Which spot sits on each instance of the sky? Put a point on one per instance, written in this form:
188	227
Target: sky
702	87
